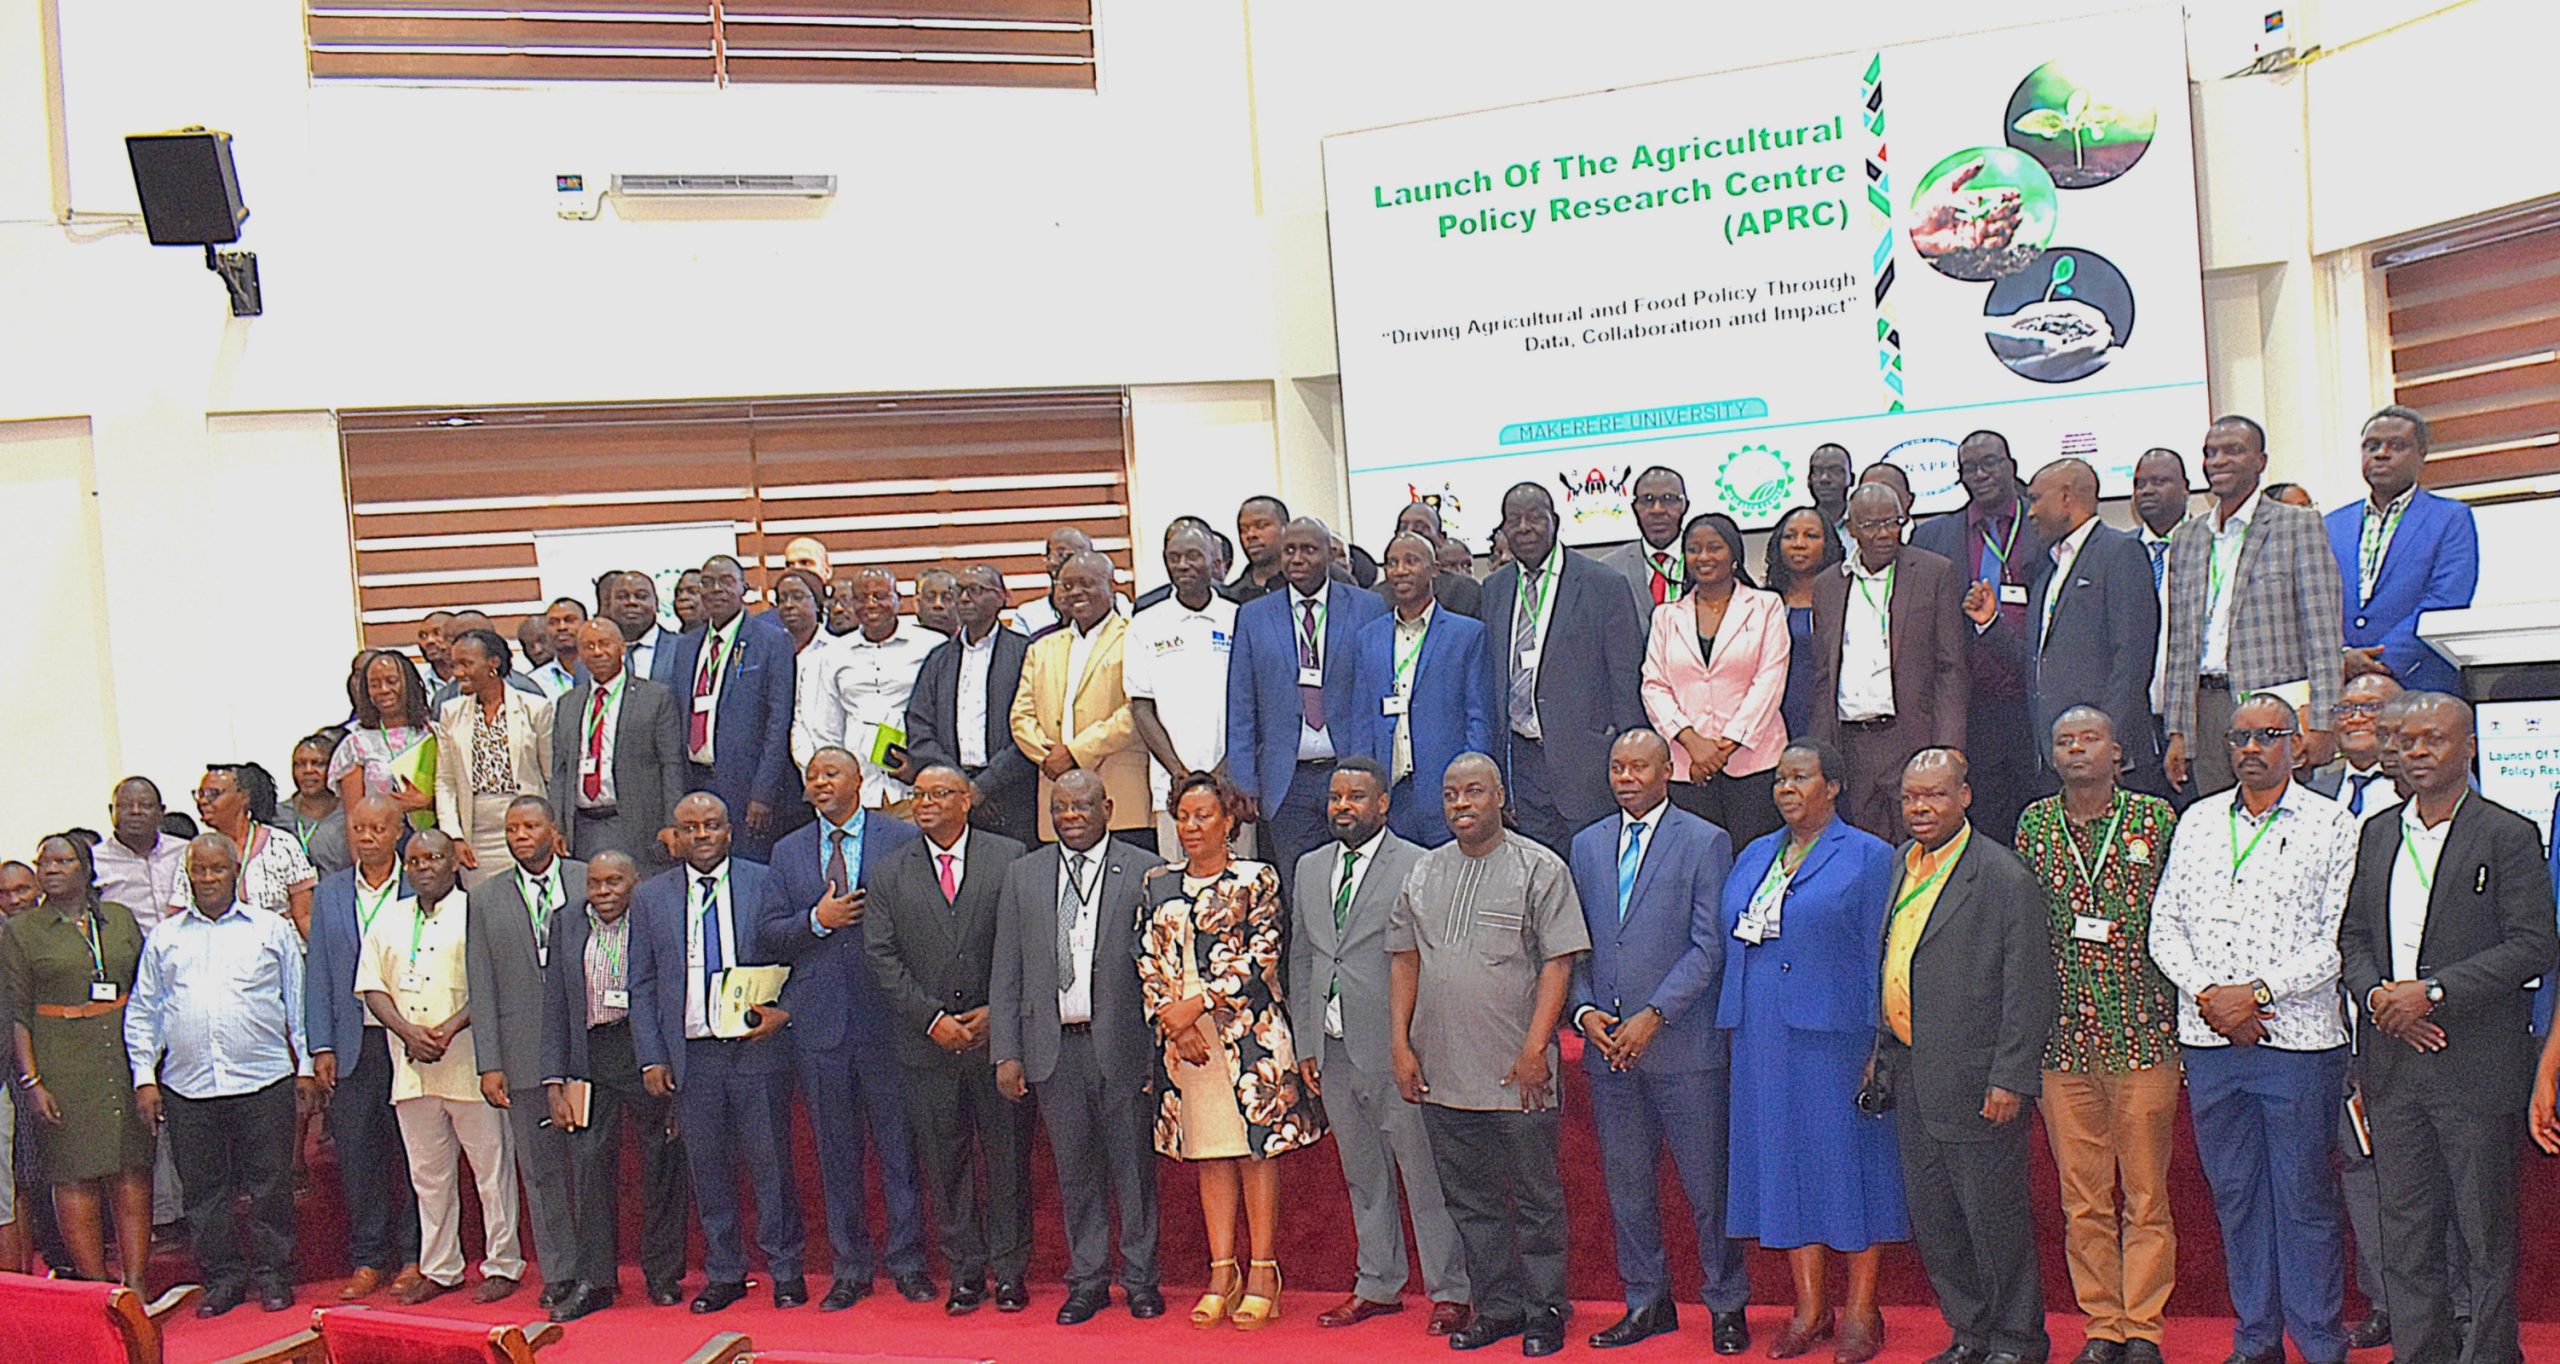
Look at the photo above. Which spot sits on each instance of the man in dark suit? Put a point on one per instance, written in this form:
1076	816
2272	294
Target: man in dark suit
617	755
1968	1004
2450	913
1997	547
733	677
1289	697
587	1041
1456	590
932	940
733	1093
2091	622
506	948
1066	1018
988	658
1651	883
1421	690
1652	563
1889	671
351	1055
1569	657
842	1028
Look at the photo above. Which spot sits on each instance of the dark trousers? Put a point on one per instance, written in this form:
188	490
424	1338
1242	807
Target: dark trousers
1637	1113
854	1092
2264	1121
1415	816
373	1161
2445	1166
2001	761
231	1149
1875	755
1534	811
1741	806
595	1168
737	1112
1103	1142
1144	836
1298	826
1973	1220
963	1128
2360	1189
542	1167
1498	1175
2208	752
613	831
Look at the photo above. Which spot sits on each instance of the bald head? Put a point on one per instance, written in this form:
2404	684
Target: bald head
1084	589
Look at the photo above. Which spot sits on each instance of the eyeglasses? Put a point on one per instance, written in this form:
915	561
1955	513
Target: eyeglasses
1870	527
2267	737
2358	708
1662	499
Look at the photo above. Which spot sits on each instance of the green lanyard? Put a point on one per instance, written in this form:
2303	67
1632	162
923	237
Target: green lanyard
2240	855
1866	589
1903	901
598	702
1405	657
2377	535
2426	878
537	900
378	898
2106	846
2213	569
1534	587
417	932
90	934
2001	551
609	945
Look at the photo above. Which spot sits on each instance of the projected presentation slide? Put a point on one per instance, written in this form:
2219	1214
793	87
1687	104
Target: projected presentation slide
1884	249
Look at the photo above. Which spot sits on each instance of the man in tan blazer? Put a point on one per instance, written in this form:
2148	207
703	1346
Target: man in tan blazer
1070	711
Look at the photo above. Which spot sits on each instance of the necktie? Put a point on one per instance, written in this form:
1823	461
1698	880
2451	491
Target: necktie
2159	563
712	961
591	784
698	725
1524	641
1628	862
1342	897
1661	577
2355	799
541	908
1070	907
1310	655
837	879
949	878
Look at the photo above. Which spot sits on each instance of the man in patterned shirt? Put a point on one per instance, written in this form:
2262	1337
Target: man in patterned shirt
2246	926
2111	1067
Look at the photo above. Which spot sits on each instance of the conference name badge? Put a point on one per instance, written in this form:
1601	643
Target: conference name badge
2091	928
617	999
2013	594
1391	705
102	991
1310	677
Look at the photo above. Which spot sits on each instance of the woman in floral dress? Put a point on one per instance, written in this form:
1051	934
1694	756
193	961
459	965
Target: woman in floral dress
1209	962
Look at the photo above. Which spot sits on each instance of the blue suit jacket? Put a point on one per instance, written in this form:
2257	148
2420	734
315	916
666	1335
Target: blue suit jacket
2433	565
832	995
1263	712
332	1016
752	745
1829	924
1451	708
656	972
1668	953
2549	993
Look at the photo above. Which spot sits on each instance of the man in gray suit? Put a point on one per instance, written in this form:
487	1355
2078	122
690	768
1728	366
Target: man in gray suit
1651	563
617	756
1571	653
1338	970
2253	606
506	947
1066	1017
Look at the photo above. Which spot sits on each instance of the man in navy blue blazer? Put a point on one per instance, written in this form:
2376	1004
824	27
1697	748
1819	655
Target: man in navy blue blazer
351	1056
732	677
2402	551
733	1095
1651	882
1421	688
843	1034
1289	697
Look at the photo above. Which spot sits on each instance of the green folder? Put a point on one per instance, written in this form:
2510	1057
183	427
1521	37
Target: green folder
418	764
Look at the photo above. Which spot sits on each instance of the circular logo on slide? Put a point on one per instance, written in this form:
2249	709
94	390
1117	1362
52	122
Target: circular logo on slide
2073	120
1982	213
1929	463
1755	481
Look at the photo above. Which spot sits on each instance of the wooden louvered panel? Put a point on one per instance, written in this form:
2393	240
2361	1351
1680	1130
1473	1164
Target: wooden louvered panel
982	11
745	69
894	39
2475	347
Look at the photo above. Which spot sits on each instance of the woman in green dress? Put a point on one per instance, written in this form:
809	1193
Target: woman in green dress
69	964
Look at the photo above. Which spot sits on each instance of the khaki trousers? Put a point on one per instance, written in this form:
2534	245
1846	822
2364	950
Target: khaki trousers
2109	1131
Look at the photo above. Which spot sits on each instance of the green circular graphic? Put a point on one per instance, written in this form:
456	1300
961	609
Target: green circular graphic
2080	122
1755	481
1982	213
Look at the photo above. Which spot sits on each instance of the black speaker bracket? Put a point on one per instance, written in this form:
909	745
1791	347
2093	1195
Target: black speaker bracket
239	271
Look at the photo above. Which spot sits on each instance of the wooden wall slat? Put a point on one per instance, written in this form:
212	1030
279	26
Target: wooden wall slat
1003	42
925	11
2499	424
2475	347
448	31
752	70
2455	267
506	66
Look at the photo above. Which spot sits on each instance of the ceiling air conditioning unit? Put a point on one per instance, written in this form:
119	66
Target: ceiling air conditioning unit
724	186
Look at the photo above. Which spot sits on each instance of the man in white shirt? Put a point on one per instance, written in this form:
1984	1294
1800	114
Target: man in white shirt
140	867
2246	926
558	672
1890	676
863	681
1174	669
412	976
961	711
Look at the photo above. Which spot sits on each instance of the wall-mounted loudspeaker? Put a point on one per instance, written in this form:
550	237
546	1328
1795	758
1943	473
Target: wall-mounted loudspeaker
190	191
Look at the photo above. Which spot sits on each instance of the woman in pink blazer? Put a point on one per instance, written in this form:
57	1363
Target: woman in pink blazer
1715	670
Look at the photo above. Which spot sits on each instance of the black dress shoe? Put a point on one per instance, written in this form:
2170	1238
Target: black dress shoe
2274	1356
719	1297
2002	1357
916	1287
1483	1331
217	1301
276	1297
554	1294
791	1292
1731	1332
665	1294
2372	1333
965	1298
581	1301
1081	1306
1956	1354
1640	1323
2100	1352
1543	1333
843	1294
1012	1296
1146	1304
2141	1352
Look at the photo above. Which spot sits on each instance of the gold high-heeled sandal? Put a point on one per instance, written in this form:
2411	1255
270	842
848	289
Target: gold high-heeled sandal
1257	1311
1214	1306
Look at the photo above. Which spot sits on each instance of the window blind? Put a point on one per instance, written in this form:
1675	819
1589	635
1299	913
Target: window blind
2475	344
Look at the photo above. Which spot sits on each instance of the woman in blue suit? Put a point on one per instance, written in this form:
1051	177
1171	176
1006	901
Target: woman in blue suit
1809	1172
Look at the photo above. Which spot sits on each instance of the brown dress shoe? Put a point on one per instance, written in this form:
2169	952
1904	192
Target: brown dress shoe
1859	1341
408	1277
1353	1310
1449	1318
1793	1341
424	1290
495	1289
361	1284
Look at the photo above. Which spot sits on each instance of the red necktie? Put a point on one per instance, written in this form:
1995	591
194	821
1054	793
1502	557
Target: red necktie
949	878
1661	579
698	725
592	786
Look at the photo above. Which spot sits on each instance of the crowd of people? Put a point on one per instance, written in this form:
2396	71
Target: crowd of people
1834	870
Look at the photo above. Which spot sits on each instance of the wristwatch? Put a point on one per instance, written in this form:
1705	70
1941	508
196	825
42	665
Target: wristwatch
2258	991
2435	992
